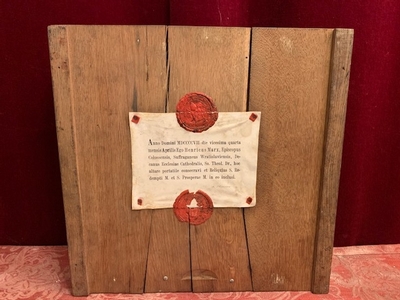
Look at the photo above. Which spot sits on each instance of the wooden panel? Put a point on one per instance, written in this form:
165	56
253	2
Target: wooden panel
214	61
168	267
102	72
112	70
336	114
220	246
211	60
169	254
288	83
62	90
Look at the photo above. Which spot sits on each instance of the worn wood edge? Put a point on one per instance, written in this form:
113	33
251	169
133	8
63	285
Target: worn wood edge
342	45
63	106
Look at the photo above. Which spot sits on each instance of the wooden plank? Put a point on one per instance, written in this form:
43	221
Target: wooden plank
168	246
102	72
113	70
288	84
59	56
214	61
342	46
169	254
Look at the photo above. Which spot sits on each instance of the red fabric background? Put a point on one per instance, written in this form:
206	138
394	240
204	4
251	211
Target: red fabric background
30	190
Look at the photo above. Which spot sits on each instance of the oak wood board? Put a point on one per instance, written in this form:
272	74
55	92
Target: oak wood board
214	61
342	46
297	78
63	96
106	77
288	83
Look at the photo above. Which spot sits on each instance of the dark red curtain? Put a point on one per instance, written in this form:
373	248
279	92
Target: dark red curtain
31	210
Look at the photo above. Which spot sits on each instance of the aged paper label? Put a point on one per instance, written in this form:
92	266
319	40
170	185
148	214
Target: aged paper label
167	159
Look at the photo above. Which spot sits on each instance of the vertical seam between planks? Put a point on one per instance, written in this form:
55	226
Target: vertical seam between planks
148	251
190	257
249	70
248	250
247	109
167	69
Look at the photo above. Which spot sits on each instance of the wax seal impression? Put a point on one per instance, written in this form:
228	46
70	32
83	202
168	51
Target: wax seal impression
193	208
196	112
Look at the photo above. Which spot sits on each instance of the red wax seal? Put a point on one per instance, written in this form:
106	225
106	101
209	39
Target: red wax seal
196	112
194	208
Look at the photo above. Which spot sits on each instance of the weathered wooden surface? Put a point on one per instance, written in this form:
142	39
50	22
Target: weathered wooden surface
288	84
106	72
63	95
168	263
214	61
342	46
298	80
169	254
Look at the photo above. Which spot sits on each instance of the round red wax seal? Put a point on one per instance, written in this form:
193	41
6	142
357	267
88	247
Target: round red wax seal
196	112
194	208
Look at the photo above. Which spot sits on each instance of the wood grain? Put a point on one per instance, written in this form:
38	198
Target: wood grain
288	84
298	80
168	267
342	46
168	247
214	61
110	73
63	96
